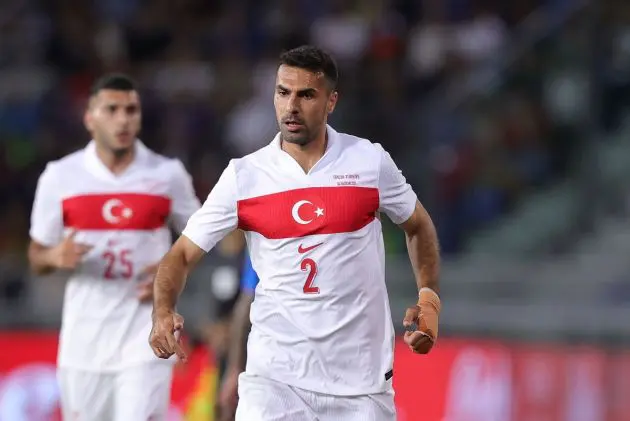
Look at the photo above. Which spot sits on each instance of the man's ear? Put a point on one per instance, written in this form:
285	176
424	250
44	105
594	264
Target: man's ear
87	120
87	115
332	101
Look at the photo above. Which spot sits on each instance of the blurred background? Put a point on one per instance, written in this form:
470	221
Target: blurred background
509	118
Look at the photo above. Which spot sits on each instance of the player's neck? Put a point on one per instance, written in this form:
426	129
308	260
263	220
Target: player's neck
307	155
116	162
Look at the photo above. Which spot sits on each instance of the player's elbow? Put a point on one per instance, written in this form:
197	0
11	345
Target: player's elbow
419	223
185	252
39	270
37	259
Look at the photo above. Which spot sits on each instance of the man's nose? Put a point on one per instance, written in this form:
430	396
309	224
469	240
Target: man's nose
293	105
123	118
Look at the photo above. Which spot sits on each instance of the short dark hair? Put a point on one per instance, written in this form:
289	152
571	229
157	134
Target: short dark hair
113	81
314	59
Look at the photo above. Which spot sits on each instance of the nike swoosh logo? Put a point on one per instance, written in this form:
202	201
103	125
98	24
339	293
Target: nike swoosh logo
303	250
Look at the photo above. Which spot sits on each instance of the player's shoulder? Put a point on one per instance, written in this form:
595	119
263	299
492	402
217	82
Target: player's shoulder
166	164
254	159
65	163
359	146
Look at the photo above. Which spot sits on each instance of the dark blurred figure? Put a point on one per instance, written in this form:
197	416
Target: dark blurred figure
216	284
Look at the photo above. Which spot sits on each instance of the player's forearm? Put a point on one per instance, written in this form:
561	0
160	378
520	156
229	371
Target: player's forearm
423	248
170	277
238	333
40	259
169	281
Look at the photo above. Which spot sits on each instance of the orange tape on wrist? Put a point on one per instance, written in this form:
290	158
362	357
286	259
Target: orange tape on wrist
430	307
428	297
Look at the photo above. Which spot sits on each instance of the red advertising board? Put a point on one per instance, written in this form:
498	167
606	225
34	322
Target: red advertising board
586	397
539	383
460	380
618	379
28	383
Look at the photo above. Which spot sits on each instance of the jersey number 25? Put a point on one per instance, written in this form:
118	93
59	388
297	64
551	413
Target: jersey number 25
118	265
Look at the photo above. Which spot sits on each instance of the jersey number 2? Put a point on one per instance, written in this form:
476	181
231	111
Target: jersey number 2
310	266
114	261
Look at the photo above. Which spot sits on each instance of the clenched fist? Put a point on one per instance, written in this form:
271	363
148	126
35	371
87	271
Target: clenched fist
165	335
68	254
421	322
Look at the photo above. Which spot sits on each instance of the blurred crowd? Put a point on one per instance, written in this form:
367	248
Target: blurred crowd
419	76
480	102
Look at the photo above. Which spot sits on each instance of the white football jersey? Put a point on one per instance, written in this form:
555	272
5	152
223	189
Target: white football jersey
125	219
320	317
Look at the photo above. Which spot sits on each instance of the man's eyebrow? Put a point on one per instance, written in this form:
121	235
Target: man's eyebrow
300	91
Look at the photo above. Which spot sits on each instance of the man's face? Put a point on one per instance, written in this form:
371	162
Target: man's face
303	100
113	118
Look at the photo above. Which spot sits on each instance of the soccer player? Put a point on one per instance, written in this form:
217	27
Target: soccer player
101	214
321	342
239	328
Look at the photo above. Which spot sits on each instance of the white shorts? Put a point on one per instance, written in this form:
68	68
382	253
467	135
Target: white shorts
261	399
137	393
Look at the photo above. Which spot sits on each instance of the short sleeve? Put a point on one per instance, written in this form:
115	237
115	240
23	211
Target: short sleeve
249	278
218	215
185	201
396	197
46	215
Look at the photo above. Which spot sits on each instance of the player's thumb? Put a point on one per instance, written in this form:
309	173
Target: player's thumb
178	322
71	234
411	316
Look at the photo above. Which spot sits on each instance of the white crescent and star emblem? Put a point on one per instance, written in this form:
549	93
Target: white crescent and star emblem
295	212
108	211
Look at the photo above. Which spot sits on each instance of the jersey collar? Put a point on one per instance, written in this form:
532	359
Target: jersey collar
331	152
96	166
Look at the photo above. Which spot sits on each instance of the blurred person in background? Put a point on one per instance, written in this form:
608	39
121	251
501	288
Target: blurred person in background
237	348
322	337
102	216
214	290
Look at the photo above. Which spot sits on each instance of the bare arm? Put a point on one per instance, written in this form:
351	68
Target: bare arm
401	204
48	249
40	258
65	255
422	245
207	226
168	284
239	330
423	249
171	274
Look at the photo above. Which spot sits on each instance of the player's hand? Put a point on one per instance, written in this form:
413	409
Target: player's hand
145	290
228	396
421	322
165	335
68	254
418	340
145	287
